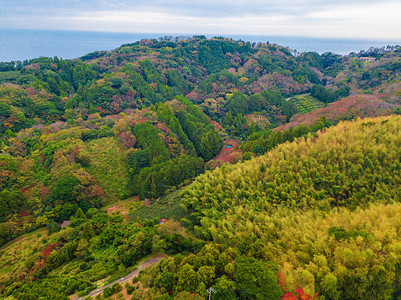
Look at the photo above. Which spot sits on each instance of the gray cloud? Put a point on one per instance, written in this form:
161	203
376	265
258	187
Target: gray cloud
192	8
287	17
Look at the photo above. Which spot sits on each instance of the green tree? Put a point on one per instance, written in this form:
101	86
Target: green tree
188	279
206	274
80	214
64	189
137	160
225	288
237	104
88	232
256	280
211	144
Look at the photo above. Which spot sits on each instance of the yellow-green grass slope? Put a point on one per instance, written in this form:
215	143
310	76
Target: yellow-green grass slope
16	255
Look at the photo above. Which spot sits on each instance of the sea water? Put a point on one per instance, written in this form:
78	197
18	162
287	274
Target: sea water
21	44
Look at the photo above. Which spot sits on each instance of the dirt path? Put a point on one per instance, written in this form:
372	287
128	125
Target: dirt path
152	260
122	207
23	237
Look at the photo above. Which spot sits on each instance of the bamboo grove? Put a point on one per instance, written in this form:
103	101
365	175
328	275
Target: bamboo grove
288	205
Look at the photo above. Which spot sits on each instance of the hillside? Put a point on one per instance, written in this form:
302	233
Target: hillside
48	172
248	164
319	216
336	168
279	207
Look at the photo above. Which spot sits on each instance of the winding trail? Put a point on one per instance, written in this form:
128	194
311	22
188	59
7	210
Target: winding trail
152	260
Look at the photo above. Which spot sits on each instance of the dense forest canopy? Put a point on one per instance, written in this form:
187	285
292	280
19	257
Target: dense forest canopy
261	172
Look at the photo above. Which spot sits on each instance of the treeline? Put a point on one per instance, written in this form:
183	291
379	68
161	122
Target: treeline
158	165
327	95
154	181
13	65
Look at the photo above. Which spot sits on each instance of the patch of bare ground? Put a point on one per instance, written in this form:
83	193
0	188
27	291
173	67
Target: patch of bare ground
122	207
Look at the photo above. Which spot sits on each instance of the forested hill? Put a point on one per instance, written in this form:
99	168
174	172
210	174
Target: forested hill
48	172
148	72
138	123
207	71
279	207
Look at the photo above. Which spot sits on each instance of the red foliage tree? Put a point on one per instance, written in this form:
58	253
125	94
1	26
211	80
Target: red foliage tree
46	252
299	292
300	295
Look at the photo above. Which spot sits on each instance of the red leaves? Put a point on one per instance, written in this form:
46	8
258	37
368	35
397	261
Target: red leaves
228	154
289	296
281	280
44	192
97	191
193	96
46	252
300	294
128	139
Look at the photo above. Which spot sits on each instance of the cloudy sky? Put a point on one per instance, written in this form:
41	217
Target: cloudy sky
318	18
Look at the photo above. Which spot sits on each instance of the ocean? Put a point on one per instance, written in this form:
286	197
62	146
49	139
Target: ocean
21	44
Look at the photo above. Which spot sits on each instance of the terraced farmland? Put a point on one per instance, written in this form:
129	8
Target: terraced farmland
305	103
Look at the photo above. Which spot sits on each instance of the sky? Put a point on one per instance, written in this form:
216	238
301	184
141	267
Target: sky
314	18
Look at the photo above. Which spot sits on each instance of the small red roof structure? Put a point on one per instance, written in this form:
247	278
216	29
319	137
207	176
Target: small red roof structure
163	221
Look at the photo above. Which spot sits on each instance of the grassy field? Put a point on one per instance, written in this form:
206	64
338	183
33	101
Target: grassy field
15	255
166	207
